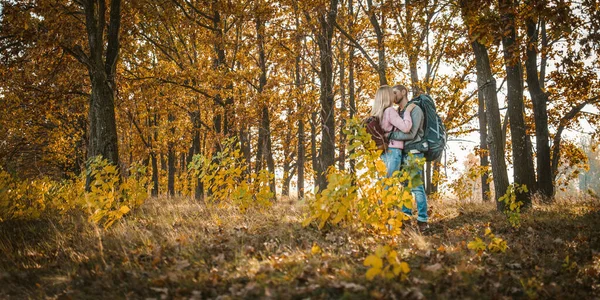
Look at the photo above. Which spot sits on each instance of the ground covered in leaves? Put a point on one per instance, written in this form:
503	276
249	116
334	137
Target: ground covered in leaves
180	249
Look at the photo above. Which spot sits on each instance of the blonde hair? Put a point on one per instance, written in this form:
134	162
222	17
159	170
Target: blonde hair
383	100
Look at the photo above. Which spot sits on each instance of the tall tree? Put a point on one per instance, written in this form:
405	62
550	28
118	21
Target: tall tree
351	85
479	34
264	147
521	146
539	99
380	35
323	31
101	62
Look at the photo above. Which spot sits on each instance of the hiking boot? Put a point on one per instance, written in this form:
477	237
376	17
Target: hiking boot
423	226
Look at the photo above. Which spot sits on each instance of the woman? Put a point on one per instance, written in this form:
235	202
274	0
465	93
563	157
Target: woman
390	120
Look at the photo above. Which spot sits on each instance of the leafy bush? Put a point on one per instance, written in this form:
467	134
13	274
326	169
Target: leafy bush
512	207
366	198
25	199
495	245
385	263
108	200
225	178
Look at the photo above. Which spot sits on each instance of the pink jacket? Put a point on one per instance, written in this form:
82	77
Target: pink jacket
392	121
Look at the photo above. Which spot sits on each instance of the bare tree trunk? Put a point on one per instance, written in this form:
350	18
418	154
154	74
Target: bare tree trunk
300	110
523	160
483	147
288	164
101	64
301	149
195	149
428	185
539	99
327	21
487	85
171	160
154	174
343	109
351	87
264	136
379	34
313	145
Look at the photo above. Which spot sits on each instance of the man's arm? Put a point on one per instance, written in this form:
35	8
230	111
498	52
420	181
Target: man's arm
417	118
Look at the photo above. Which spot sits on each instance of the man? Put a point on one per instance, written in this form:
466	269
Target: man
413	142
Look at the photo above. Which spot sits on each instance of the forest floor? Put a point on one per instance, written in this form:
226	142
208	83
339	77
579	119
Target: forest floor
180	249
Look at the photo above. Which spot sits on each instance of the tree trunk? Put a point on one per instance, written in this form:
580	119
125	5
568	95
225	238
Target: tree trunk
351	87
154	174
171	161
288	157
313	145
342	79
522	156
101	64
483	147
414	75
539	99
246	147
487	87
301	150
428	187
195	149
379	34
324	37
264	136
487	84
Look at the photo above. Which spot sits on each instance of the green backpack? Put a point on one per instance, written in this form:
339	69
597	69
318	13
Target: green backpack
433	128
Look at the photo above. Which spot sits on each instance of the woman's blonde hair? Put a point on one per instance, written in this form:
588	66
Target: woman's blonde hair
383	100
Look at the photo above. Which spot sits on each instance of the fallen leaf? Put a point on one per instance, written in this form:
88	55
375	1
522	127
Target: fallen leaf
181	264
434	268
352	286
514	266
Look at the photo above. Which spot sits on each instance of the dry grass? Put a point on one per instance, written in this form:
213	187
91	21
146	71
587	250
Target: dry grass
180	249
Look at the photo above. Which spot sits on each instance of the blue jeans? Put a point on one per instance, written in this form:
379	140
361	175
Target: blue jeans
420	197
393	160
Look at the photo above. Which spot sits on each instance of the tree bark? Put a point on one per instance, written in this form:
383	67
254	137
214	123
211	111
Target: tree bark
300	111
171	160
379	34
351	85
343	109
264	148
327	21
539	99
523	161
101	64
313	145
154	192
195	149
483	147
487	86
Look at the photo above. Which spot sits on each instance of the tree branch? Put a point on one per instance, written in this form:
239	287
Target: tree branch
357	45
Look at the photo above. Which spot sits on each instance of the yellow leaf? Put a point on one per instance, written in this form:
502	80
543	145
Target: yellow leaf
124	209
404	267
380	166
392	256
315	249
374	261
372	272
488	231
